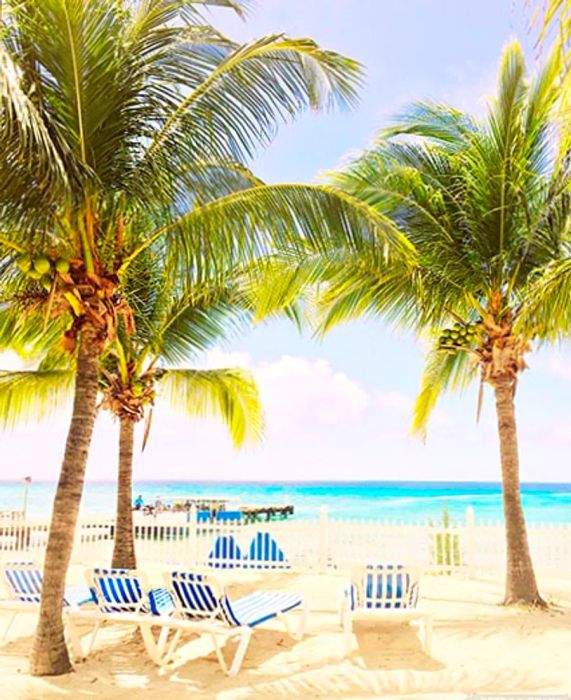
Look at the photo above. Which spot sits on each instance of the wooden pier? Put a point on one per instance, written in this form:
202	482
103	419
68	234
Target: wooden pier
252	514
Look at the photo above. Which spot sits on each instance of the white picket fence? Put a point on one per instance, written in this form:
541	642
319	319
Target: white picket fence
320	545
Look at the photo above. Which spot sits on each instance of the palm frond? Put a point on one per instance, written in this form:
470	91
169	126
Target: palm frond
545	310
248	92
252	223
229	394
443	371
34	395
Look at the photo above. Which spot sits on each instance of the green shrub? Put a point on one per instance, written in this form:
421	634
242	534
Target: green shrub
445	545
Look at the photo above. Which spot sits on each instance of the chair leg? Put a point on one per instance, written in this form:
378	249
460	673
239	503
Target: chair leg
245	635
163	640
74	640
302	621
150	643
92	636
171	647
219	654
342	604
427	624
9	625
347	631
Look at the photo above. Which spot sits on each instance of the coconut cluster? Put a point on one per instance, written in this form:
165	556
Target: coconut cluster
42	268
461	335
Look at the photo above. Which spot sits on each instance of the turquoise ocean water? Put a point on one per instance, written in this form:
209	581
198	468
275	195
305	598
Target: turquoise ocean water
403	500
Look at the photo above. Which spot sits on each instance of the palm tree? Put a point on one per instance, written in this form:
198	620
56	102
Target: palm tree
137	368
486	205
113	114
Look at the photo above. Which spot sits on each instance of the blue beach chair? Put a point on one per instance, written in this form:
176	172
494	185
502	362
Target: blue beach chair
201	599
265	553
225	554
123	596
23	583
383	592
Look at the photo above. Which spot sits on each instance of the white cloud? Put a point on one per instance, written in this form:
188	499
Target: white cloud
297	392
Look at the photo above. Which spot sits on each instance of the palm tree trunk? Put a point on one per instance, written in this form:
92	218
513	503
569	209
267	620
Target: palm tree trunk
49	654
521	586
124	548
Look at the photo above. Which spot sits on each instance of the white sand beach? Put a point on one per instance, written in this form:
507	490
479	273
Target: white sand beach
478	647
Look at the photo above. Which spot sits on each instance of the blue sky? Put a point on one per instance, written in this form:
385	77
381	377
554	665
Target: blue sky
341	408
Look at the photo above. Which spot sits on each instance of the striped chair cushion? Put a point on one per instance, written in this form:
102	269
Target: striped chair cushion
265	550
253	609
25	584
225	553
161	602
119	590
384	586
24	581
194	596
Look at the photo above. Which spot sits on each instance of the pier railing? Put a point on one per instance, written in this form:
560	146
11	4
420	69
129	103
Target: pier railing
323	544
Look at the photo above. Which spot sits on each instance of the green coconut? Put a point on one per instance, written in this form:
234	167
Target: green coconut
24	262
46	282
42	264
34	274
62	265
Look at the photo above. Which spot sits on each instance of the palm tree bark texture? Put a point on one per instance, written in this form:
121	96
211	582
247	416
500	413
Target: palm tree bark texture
49	654
124	546
520	577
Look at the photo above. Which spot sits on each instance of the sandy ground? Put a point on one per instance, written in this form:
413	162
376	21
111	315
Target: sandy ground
478	647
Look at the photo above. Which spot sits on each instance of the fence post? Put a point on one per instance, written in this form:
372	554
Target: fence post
323	522
192	527
470	542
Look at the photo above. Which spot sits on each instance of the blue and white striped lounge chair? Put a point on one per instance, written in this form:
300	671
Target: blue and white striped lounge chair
23	585
387	593
202	599
124	596
225	553
265	553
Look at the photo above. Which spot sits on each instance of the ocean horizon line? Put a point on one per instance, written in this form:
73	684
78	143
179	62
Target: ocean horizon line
316	482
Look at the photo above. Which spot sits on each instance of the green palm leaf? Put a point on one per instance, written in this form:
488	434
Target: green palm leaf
33	395
229	394
443	371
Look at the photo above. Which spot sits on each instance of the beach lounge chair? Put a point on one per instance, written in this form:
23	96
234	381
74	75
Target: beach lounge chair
387	593
123	596
201	599
265	553
225	553
23	585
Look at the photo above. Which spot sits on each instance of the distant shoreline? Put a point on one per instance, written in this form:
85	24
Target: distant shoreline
544	502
